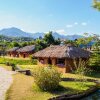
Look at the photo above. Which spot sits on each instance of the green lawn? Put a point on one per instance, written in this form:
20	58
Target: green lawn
23	88
31	67
17	61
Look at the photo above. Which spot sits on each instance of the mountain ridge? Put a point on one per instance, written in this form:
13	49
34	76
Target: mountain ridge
16	32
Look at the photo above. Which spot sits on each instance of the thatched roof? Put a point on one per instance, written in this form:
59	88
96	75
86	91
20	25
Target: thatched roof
13	49
26	48
58	51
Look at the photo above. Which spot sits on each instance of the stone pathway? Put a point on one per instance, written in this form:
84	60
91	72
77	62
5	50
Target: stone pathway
5	81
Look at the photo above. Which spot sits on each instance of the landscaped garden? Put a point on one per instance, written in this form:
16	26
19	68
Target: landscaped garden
24	88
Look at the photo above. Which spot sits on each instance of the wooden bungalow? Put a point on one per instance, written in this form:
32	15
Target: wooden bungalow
26	51
13	52
61	56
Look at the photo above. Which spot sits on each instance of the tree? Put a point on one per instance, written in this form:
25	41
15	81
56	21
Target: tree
24	44
85	40
40	44
96	4
15	44
3	49
49	39
95	57
57	41
70	42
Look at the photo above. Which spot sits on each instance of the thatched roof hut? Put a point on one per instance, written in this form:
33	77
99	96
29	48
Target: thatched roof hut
57	51
13	49
13	52
61	56
26	48
21	52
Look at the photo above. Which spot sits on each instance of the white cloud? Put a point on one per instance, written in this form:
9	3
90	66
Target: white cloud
75	23
69	26
84	24
61	31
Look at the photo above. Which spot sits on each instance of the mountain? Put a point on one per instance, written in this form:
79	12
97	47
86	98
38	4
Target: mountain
38	34
57	35
73	37
15	32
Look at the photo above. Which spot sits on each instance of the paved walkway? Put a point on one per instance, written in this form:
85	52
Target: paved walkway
5	81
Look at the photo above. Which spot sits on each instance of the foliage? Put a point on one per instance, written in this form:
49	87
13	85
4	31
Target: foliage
70	42
96	4
95	56
15	44
82	70
84	41
49	39
17	61
46	41
47	79
24	44
95	60
40	44
81	67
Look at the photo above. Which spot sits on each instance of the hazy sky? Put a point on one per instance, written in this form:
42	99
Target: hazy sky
64	16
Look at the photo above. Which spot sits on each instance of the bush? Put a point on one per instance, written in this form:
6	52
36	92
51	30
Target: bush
46	78
81	67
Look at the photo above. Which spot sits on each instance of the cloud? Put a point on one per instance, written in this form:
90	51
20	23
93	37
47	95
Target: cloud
75	23
84	24
61	31
69	26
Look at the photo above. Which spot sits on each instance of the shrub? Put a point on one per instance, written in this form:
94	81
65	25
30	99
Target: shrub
46	78
81	67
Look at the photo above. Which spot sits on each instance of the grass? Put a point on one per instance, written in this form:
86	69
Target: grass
93	75
31	67
17	61
23	88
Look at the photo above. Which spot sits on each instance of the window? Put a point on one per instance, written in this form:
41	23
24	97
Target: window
41	61
60	61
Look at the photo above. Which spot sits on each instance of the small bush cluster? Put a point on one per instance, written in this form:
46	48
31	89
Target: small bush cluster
46	78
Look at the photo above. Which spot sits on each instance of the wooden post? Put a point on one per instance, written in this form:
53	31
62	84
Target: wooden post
53	61
67	65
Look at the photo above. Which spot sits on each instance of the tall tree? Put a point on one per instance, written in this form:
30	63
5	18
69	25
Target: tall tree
49	39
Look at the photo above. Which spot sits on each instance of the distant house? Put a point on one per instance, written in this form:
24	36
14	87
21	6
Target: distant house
26	51
21	52
61	56
13	52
